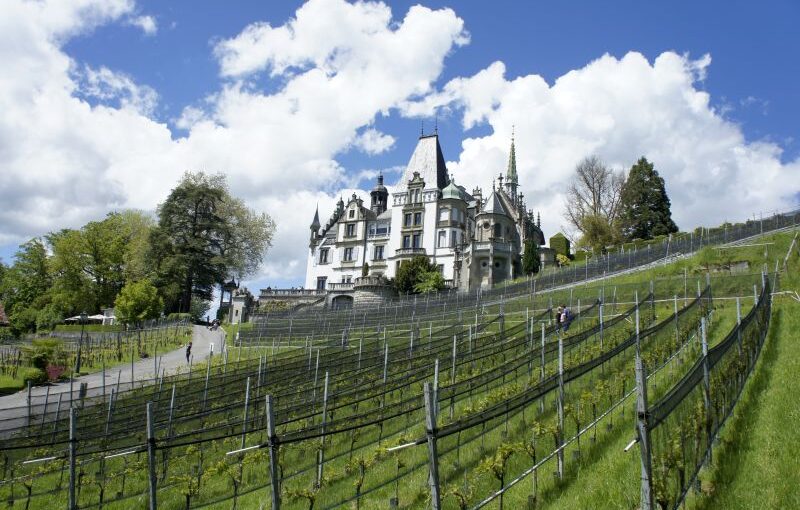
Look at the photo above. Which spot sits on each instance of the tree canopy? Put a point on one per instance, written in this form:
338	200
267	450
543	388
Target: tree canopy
137	302
644	205
203	236
593	200
416	276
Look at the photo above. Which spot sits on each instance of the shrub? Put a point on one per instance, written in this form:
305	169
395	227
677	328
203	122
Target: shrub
560	244
43	351
33	374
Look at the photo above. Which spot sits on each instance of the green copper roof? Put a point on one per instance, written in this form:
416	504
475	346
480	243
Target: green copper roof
452	191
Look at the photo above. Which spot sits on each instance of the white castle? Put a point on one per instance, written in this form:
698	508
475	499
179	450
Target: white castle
473	241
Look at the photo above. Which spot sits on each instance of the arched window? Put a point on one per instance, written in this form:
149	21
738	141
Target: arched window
498	230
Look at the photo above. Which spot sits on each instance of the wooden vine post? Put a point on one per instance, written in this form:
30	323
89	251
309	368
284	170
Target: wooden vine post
433	460
560	408
541	370
73	447
321	454
706	385
643	433
273	456
151	456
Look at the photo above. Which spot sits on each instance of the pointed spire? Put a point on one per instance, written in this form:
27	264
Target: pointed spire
315	223
511	172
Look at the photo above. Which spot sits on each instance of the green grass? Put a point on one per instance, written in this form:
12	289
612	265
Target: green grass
758	459
758	455
10	384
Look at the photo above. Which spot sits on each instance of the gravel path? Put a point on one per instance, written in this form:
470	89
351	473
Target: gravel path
14	410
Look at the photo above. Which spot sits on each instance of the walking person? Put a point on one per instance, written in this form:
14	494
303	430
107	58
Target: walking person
559	318
188	351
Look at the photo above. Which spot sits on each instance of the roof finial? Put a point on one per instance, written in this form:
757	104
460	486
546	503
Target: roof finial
512	133
421	128
436	123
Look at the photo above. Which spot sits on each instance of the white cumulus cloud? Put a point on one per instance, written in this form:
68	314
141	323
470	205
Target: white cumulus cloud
373	141
619	109
77	141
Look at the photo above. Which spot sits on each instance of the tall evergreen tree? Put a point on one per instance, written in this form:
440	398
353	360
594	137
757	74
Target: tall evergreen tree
204	236
530	259
645	206
186	243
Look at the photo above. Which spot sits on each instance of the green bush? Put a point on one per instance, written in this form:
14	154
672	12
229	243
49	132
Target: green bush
179	316
43	351
33	374
6	335
560	244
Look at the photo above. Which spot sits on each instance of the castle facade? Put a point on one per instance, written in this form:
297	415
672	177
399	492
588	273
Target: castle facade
474	241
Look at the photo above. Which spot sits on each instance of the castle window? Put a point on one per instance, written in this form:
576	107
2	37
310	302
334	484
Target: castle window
440	268
378	255
321	282
498	230
352	213
323	256
443	214
442	241
350	229
418	218
348	255
406	241
407	220
452	238
416	241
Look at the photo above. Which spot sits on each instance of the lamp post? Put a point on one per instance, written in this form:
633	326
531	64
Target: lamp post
80	342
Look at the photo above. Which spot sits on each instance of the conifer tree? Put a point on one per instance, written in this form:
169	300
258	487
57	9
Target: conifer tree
530	259
645	206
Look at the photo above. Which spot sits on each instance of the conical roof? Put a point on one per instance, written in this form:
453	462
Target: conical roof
428	160
315	222
494	205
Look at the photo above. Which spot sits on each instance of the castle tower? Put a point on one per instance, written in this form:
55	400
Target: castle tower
315	226
379	196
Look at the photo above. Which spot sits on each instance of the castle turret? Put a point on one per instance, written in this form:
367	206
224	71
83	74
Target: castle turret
379	196
315	225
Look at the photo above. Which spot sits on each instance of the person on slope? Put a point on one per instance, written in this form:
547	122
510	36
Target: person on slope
566	318
188	351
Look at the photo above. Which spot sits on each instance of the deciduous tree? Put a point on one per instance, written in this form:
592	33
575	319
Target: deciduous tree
138	301
593	192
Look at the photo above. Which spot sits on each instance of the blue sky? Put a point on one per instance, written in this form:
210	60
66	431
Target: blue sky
754	46
710	86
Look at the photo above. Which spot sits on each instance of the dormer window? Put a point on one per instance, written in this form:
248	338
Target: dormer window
352	213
